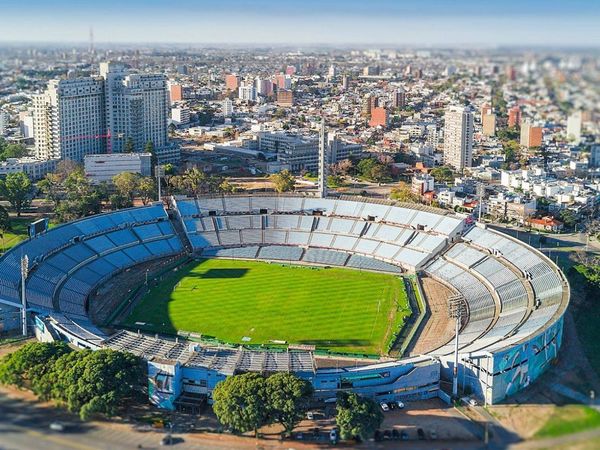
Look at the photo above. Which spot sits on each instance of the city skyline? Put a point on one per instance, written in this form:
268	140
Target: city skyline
428	23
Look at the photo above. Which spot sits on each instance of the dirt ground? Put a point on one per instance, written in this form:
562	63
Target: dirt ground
438	329
524	420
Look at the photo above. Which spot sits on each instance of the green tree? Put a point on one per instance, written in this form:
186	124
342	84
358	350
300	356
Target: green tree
11	150
240	402
149	148
52	187
442	174
379	173
94	382
129	147
25	367
146	188
81	198
5	224
117	201
227	187
284	181
403	193
357	416
195	180
17	190
126	184
365	166
288	399
568	217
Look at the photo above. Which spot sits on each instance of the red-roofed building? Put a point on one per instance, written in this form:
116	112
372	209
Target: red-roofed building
545	224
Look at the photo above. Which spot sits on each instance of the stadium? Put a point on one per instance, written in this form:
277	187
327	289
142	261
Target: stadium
349	293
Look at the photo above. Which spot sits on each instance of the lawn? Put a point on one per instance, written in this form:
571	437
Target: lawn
255	302
569	419
16	234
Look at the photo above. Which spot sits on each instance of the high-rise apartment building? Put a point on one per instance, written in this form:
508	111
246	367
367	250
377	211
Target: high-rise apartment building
176	92
232	82
82	116
137	107
399	98
458	137
486	108
345	81
594	160
379	117
3	122
247	92
574	127
489	124
285	97
227	108
69	119
514	116
531	136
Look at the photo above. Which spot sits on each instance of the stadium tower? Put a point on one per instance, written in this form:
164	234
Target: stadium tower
323	159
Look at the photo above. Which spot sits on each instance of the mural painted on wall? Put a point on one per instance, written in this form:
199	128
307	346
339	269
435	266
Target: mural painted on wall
162	384
518	366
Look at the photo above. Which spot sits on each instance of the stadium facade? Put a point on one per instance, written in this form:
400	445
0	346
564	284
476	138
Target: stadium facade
513	298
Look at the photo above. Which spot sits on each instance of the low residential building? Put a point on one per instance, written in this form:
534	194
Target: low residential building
422	183
545	224
35	168
510	207
104	167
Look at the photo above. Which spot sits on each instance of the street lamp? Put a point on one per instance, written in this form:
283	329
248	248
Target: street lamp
159	172
456	309
24	273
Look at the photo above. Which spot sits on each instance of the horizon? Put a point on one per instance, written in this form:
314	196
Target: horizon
429	23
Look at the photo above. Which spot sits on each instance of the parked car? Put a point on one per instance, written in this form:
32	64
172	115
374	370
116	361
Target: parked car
392	405
310	415
57	426
333	436
387	434
473	402
400	404
378	436
421	434
167	439
395	434
404	436
433	435
384	406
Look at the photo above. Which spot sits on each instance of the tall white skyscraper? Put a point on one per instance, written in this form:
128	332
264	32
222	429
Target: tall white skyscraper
69	119
458	137
91	115
323	159
227	108
247	92
137	108
3	122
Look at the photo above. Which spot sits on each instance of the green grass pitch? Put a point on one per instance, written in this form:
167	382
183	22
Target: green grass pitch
342	310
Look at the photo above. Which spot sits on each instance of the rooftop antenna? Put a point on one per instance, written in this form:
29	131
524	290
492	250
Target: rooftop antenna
91	49
322	159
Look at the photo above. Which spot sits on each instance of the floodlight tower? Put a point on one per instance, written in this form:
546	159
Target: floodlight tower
323	160
456	310
24	273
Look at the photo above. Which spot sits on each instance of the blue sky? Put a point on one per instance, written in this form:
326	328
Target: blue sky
400	22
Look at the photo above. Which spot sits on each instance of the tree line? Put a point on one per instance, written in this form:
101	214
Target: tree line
74	196
249	401
86	382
